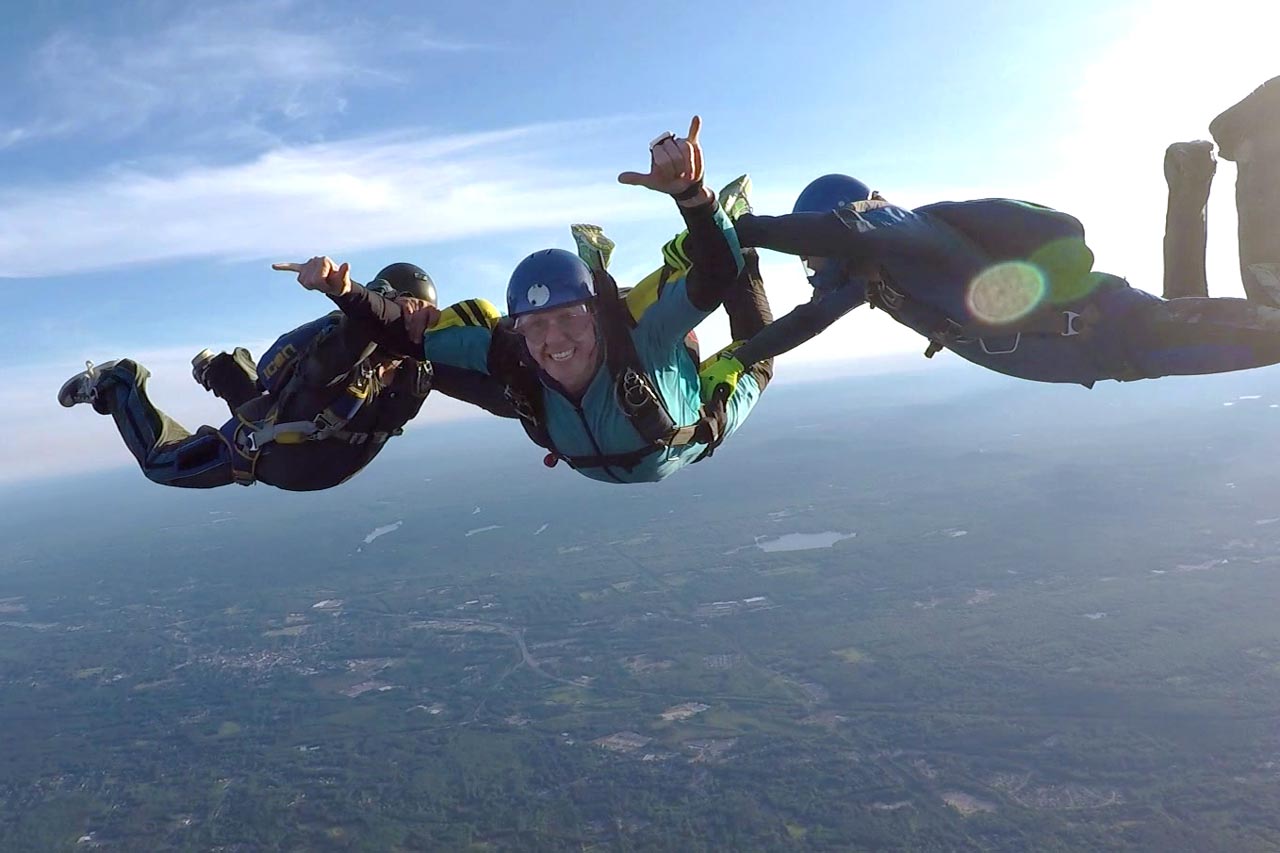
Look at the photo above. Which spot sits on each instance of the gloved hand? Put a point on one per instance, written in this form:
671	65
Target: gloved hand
719	374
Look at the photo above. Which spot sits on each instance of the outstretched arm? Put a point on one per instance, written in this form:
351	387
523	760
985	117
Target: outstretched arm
676	168
713	252
802	323
843	233
811	235
381	320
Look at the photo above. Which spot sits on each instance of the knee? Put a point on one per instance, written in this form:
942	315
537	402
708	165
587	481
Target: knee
126	370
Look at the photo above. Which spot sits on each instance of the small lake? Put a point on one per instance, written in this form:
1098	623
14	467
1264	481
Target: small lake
382	531
803	541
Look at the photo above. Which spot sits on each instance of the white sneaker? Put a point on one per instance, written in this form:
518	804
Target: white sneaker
82	388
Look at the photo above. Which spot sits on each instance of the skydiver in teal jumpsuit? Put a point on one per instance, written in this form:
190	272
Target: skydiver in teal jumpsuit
556	352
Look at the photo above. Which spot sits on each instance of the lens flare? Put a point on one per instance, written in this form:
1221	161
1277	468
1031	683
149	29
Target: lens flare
1006	292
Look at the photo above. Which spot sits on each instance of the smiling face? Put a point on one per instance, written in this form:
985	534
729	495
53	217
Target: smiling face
563	343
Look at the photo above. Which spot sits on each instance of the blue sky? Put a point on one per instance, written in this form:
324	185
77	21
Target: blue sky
155	157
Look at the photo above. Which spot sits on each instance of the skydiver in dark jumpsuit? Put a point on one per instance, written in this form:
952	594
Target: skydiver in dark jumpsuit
1087	326
335	372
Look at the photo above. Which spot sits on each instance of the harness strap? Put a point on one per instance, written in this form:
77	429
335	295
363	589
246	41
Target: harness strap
357	438
246	449
639	401
244	462
297	432
711	424
625	461
708	430
292	432
1059	322
633	390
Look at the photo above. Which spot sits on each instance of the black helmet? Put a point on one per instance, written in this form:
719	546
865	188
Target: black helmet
409	279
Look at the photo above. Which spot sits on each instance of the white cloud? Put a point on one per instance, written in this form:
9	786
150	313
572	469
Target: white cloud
360	193
250	62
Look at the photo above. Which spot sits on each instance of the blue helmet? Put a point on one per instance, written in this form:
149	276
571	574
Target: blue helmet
548	279
831	192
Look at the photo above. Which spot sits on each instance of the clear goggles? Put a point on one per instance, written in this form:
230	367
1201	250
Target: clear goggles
570	318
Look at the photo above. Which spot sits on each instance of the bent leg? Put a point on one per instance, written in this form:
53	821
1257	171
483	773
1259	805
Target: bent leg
1188	169
233	378
1193	336
749	314
166	452
1258	208
1249	134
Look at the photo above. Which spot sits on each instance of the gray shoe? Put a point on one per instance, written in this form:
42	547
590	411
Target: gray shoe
1258	113
735	197
200	367
83	387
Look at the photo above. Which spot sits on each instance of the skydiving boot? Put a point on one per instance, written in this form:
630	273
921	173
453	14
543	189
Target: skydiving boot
1188	168
1249	134
208	367
232	377
1257	115
734	198
83	387
594	248
200	367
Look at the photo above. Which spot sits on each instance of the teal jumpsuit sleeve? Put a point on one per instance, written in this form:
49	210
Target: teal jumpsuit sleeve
463	335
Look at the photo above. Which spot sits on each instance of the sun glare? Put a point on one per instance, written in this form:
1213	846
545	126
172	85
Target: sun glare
1006	292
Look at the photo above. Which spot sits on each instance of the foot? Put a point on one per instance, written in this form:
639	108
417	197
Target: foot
593	247
83	387
1190	166
200	367
735	197
1258	113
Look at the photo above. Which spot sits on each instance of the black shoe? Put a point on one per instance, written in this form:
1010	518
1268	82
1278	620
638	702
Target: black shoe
1260	111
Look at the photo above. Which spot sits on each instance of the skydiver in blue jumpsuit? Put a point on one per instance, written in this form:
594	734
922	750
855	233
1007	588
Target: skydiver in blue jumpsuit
938	270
